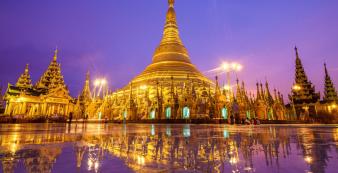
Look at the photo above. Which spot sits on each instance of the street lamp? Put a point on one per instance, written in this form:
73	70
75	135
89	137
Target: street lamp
229	67
96	84
99	83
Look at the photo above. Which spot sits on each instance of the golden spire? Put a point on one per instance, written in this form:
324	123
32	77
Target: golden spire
55	54
171	3
86	93
171	47
24	80
26	68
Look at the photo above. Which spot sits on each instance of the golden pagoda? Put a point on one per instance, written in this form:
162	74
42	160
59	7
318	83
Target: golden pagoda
167	85
171	87
171	58
52	77
48	97
24	80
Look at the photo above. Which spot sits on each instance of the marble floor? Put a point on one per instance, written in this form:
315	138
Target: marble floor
91	147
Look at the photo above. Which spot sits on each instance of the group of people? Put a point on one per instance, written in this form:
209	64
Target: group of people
253	121
247	121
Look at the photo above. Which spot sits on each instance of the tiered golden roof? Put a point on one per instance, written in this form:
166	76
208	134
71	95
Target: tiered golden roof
171	58
52	78
24	80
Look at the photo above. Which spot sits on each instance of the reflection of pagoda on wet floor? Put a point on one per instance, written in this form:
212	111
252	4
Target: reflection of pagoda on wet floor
167	147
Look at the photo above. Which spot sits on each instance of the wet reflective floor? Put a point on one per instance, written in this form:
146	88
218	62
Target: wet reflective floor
149	148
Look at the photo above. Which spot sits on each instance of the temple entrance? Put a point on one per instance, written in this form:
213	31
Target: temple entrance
99	115
168	112
125	114
248	115
152	114
186	112
224	113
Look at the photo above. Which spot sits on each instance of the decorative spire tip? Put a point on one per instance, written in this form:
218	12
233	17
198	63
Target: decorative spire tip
26	69
55	53
171	3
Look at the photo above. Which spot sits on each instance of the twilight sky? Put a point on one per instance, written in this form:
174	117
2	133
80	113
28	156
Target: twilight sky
116	38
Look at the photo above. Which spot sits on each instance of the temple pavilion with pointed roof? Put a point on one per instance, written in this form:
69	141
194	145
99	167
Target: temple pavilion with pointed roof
305	101
48	97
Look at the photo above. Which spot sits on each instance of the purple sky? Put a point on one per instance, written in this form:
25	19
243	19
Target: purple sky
116	38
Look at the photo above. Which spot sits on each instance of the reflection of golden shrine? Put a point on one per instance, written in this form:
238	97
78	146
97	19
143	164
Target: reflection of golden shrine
164	147
48	97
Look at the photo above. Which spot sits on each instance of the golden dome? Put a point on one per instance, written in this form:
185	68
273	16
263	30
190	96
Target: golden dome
171	58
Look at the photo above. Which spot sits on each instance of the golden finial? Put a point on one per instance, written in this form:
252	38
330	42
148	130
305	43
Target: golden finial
87	75
171	3
55	53
26	69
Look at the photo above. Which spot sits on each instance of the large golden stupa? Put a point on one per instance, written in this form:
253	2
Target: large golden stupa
171	58
171	88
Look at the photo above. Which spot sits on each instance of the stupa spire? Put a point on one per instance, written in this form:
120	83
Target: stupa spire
55	54
306	92
86	94
171	3
258	95
24	81
330	93
268	95
52	77
171	47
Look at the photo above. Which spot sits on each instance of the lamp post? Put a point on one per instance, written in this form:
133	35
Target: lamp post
103	87
96	84
229	67
99	84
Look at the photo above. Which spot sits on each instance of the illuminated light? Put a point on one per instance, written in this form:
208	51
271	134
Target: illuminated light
233	160
90	164
168	112
13	147
186	131
296	87
103	81
227	87
334	106
239	67
247	168
226	66
186	112
97	82
308	159
140	160
225	113
96	166
152	114
100	115
152	130
226	133
143	87
168	131
233	66
21	99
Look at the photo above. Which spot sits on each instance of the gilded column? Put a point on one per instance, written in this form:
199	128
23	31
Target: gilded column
8	107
